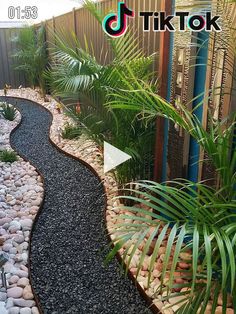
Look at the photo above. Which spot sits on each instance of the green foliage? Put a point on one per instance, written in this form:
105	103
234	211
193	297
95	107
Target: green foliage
183	215
30	56
8	156
139	97
201	219
8	111
180	215
76	74
71	132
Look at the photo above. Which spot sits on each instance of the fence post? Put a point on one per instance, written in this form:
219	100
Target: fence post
54	29
74	21
161	124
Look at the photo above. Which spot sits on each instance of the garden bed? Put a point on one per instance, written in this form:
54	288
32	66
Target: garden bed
72	190
89	152
21	193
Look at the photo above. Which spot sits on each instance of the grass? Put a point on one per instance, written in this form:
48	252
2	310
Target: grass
8	156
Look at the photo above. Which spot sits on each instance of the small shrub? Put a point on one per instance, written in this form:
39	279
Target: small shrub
8	156
70	132
8	111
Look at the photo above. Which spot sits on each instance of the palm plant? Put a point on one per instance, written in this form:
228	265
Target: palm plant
30	56
76	75
181	215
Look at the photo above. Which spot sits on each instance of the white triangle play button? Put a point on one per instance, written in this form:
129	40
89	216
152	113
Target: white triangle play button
113	157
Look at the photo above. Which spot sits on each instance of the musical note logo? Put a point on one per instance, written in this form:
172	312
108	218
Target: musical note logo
119	19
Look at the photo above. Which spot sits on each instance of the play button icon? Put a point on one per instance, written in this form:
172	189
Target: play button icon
113	157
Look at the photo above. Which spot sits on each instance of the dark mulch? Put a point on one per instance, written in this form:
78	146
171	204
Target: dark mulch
69	238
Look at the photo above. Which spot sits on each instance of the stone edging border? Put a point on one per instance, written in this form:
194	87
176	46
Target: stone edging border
148	300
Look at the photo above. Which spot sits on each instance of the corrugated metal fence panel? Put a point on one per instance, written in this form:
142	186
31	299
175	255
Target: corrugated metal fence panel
49	33
7	73
87	28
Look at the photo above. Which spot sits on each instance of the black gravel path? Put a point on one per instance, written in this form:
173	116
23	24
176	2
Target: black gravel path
67	267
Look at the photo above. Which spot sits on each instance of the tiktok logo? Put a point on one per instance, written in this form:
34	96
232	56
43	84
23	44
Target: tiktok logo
160	22
120	19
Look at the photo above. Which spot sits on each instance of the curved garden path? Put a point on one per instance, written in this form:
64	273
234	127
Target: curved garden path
68	274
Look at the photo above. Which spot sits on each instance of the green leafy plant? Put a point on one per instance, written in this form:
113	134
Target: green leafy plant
76	75
30	56
8	156
71	132
8	111
200	217
193	221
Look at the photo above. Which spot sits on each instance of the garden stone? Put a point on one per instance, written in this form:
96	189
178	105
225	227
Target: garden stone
13	279
35	310
6	226
26	310
24	268
19	239
13	250
2	308
7	176
14	310
9	267
15	224
3	232
21	273
18	258
23	282
9	303
6	247
26	224
5	220
27	293
2	214
24	303
3	296
15	292
24	257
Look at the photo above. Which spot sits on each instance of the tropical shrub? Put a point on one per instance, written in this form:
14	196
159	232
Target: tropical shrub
30	56
71	132
201	217
8	111
191	220
76	75
8	156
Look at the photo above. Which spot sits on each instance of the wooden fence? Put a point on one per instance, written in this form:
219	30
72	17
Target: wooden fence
7	73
